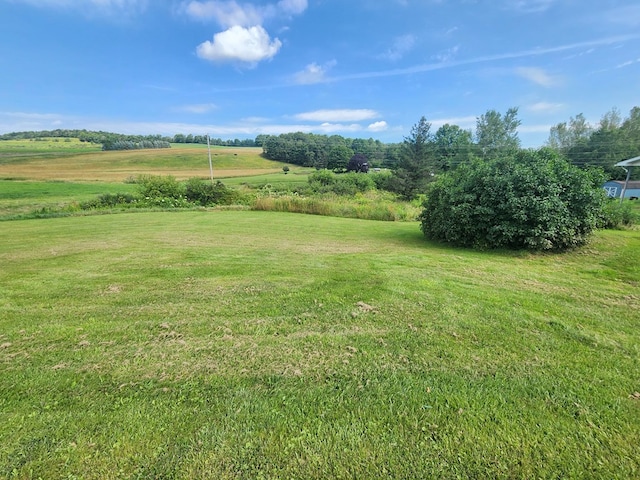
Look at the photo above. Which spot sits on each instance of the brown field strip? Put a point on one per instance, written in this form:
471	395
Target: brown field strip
182	163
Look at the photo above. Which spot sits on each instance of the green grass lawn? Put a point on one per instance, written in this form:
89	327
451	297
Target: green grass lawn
22	197
271	345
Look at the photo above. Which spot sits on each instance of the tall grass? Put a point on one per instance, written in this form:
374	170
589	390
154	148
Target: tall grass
370	206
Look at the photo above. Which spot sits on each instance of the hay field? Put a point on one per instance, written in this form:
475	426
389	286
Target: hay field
21	160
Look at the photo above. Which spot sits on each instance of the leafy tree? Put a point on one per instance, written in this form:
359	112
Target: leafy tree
530	200
565	136
452	146
338	157
497	135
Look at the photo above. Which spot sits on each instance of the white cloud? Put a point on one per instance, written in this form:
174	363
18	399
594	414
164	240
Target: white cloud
378	126
199	108
537	76
627	63
628	15
462	122
401	45
447	55
530	6
227	14
245	39
240	44
107	7
534	128
337	127
23	121
248	127
544	107
231	13
339	115
292	7
313	73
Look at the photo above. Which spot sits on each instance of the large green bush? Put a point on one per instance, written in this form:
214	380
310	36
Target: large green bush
205	193
533	200
325	181
157	186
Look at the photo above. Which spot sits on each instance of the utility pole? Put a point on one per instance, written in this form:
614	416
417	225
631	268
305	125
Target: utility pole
210	164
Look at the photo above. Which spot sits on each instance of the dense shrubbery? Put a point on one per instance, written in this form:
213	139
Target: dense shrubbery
167	192
533	200
617	215
134	145
205	193
159	187
110	200
324	181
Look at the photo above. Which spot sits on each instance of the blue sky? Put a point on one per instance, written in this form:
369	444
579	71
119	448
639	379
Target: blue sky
356	68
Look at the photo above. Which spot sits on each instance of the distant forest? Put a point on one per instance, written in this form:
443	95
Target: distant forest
119	141
602	145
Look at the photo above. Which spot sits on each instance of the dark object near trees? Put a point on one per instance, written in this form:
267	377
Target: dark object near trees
358	163
530	200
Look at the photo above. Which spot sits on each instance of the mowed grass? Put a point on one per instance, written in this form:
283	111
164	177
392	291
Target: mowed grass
181	162
272	345
22	197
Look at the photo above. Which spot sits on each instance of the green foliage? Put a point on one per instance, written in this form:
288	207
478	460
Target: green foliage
134	145
417	165
324	181
205	193
497	135
453	146
108	200
617	215
320	151
372	205
158	186
533	200
611	141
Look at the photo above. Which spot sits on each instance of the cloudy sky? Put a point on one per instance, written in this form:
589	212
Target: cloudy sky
357	68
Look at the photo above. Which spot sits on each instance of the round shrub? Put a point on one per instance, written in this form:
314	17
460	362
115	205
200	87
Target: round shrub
532	200
156	186
205	193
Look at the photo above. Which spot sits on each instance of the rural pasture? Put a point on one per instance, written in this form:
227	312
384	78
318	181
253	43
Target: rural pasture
250	344
23	159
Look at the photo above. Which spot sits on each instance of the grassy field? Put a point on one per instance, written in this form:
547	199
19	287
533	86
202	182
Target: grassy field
272	345
21	197
49	160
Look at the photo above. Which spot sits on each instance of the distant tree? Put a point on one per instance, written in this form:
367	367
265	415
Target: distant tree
452	146
497	135
565	136
358	163
338	157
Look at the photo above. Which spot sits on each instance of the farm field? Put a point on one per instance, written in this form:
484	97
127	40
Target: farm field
240	344
85	162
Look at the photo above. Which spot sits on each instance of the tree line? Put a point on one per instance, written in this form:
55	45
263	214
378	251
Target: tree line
323	151
613	139
119	141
